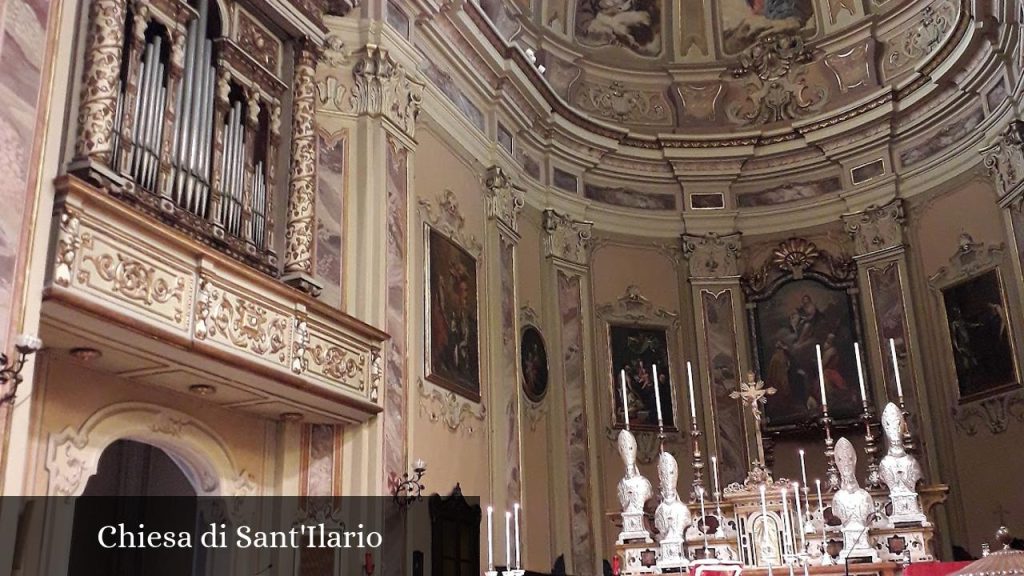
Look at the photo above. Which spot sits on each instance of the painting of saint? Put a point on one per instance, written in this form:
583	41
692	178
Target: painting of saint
745	21
534	363
634	24
452	317
800	316
637	350
980	336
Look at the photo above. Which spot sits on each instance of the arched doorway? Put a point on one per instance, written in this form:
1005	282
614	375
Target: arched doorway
136	484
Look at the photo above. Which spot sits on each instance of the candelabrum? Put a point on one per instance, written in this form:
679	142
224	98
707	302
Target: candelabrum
11	372
832	472
410	489
698	462
908	438
871	445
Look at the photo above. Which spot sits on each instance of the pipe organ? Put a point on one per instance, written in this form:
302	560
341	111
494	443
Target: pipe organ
196	124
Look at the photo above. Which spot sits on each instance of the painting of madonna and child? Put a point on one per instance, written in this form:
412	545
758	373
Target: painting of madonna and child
790	324
637	350
746	21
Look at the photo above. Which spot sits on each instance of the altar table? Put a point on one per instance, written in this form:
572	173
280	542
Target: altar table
933	568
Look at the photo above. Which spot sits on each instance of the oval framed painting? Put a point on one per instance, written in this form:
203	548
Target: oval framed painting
533	360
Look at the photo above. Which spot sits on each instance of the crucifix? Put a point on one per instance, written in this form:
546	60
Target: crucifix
753	394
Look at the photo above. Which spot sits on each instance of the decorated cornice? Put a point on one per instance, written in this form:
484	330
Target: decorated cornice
969	259
567	239
711	255
876	228
504	200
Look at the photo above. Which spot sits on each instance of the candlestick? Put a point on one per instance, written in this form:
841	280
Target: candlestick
800	515
787	535
860	373
508	540
803	476
718	487
657	396
821	376
689	378
625	399
698	461
490	538
896	369
703	521
519	558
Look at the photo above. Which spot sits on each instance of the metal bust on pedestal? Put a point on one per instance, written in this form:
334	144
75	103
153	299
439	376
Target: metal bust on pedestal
853	505
900	472
671	517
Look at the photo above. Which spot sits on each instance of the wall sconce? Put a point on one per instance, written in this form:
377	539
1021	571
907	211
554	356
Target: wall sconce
11	373
410	489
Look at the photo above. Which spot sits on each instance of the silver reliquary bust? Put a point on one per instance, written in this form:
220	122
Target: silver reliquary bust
900	471
634	491
852	504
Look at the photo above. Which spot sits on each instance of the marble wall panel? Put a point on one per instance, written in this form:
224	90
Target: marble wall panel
330	212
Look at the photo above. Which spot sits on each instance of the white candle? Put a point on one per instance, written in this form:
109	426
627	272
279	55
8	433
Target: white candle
625	400
821	504
860	377
896	368
803	467
787	535
657	394
519	558
508	540
799	515
821	376
718	487
490	538
703	516
689	378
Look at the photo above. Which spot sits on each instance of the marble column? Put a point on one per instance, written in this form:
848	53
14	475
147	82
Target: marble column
300	225
101	82
504	202
567	250
715	288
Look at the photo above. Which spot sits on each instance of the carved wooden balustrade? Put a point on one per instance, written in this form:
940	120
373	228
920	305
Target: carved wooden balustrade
162	284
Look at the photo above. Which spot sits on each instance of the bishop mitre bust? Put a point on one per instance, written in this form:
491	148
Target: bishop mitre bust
899	470
672	516
634	489
851	503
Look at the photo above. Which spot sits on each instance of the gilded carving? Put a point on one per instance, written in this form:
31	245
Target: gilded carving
567	239
876	228
247	325
504	200
618	102
300	341
258	43
133	280
711	255
383	88
204	294
795	256
376	373
337	363
1005	159
444	406
777	88
69	241
101	80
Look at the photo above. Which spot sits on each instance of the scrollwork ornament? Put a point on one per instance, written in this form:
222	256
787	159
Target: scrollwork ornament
777	88
504	200
445	407
876	228
101	80
994	412
298	259
712	256
1005	159
69	242
300	341
383	88
567	239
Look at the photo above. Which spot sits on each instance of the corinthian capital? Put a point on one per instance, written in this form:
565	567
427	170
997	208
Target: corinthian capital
567	239
504	200
876	228
1005	159
382	88
711	255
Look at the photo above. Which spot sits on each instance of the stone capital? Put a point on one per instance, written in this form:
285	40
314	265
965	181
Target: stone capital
383	88
504	200
567	239
1005	160
711	255
876	228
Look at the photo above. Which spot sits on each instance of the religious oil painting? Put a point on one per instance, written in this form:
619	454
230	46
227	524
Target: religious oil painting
799	316
744	22
453	350
632	24
979	333
534	363
637	350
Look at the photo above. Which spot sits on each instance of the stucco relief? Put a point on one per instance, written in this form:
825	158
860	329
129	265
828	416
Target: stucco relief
566	239
712	255
618	102
1005	159
383	88
444	407
876	228
504	199
851	67
700	100
776	83
920	39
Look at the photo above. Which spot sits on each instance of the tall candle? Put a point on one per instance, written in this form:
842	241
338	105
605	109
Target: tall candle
508	540
803	466
490	538
860	377
519	558
799	515
625	399
787	535
689	379
821	504
703	516
714	468
803	475
821	376
896	368
657	394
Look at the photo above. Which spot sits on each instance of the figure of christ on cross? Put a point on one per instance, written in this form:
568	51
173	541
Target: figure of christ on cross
753	394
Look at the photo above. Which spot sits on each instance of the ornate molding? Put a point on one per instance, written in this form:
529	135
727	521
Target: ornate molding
920	39
384	89
446	407
69	241
876	228
633	307
712	256
446	217
795	258
994	412
1005	159
567	239
970	258
504	200
777	87
617	102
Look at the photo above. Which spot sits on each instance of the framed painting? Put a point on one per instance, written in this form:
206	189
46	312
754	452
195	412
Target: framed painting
452	323
533	359
637	349
980	336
